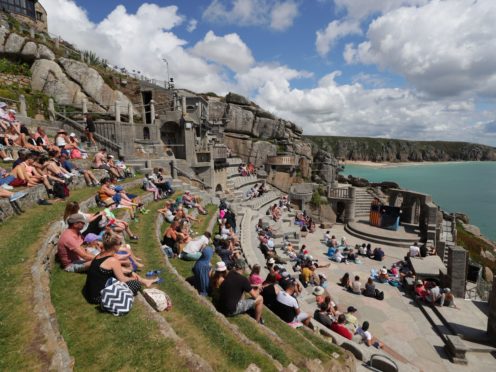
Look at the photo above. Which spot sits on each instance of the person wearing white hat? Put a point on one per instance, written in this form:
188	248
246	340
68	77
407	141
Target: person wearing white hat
217	279
383	275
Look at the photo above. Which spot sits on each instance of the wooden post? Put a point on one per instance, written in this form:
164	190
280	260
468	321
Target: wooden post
22	106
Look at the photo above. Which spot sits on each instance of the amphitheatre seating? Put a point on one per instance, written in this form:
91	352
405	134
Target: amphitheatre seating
263	200
237	182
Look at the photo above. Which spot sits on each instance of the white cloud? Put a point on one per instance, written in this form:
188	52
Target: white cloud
283	15
451	52
355	12
334	31
277	15
192	25
228	50
351	110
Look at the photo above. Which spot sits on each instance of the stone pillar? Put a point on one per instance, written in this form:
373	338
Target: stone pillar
457	270
152	111
85	106
130	113
118	111
173	170
491	321
22	106
349	211
51	109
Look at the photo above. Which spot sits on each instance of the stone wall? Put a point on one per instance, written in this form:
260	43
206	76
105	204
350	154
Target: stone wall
19	80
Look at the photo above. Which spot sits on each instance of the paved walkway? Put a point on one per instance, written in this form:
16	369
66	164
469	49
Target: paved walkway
396	320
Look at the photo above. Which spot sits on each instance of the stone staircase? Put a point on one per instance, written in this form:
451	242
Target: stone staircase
362	203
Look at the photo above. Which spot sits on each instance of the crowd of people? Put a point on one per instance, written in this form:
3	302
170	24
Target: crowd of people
246	170
257	190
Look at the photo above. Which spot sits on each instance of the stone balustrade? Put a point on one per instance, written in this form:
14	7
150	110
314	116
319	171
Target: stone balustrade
279	160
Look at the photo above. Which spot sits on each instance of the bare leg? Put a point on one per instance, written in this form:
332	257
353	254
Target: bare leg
258	308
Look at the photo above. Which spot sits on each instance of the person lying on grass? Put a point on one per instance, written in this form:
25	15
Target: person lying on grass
106	266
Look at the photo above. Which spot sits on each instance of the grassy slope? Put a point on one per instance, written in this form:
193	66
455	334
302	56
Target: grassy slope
20	238
210	339
290	346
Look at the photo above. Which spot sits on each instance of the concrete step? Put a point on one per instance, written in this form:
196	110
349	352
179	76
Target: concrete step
378	240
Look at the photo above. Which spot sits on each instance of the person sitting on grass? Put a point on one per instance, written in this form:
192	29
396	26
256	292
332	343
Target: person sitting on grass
367	337
12	196
340	328
167	212
255	278
100	162
106	266
192	250
191	201
72	256
201	270
231	301
216	281
287	307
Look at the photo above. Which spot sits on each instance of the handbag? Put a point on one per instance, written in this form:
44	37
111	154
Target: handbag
117	298
158	299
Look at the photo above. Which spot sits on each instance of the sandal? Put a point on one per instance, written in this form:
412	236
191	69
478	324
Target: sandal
153	273
134	237
158	281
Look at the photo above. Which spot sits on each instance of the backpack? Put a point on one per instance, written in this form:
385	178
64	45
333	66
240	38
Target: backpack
60	190
379	295
117	298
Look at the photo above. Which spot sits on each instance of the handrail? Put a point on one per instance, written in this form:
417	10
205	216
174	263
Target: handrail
79	127
3	99
189	177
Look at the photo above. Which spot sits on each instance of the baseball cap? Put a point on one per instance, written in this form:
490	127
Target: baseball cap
75	218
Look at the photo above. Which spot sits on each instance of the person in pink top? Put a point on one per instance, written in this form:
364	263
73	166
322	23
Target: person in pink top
255	278
72	256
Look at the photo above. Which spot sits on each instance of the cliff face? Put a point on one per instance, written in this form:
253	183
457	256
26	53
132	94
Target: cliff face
254	133
391	150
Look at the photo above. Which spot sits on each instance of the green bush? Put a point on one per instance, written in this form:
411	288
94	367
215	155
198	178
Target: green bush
14	68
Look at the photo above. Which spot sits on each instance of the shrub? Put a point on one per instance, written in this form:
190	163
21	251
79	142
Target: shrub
14	68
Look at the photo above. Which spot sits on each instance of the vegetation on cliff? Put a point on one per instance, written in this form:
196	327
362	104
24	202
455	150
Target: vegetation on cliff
395	150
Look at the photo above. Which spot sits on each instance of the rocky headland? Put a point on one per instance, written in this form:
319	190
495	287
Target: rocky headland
397	150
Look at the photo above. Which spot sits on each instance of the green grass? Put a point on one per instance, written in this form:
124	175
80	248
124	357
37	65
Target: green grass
94	338
21	237
192	320
296	345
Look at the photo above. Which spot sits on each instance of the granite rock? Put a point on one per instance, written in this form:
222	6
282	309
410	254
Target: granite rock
14	43
30	50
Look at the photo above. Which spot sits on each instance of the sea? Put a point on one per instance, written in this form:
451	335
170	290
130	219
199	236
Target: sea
466	187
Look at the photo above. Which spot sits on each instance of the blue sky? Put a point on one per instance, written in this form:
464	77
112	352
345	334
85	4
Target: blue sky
415	69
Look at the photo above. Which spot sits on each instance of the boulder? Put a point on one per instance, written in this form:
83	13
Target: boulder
303	148
93	84
237	99
280	129
48	77
14	43
30	50
488	274
264	128
259	152
216	110
239	120
3	34
45	53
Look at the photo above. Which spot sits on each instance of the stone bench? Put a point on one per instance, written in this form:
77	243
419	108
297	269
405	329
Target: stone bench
456	349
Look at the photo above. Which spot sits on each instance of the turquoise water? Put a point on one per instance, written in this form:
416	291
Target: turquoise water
466	187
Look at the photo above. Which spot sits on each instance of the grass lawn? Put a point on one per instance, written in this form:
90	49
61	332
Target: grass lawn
296	346
192	320
21	236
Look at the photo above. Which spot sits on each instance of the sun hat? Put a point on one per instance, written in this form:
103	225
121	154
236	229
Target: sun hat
351	309
90	238
419	282
383	271
75	218
271	261
72	134
220	266
447	290
318	291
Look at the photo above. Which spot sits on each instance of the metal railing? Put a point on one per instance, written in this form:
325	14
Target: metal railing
111	145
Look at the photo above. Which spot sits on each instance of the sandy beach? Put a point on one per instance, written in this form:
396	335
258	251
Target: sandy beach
373	164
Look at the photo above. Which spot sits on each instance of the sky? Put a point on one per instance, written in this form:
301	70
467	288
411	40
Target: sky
410	69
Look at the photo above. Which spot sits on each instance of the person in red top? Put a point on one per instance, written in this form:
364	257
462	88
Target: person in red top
72	256
340	328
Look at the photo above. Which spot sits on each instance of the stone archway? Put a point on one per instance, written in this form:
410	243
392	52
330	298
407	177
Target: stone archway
172	135
218	188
